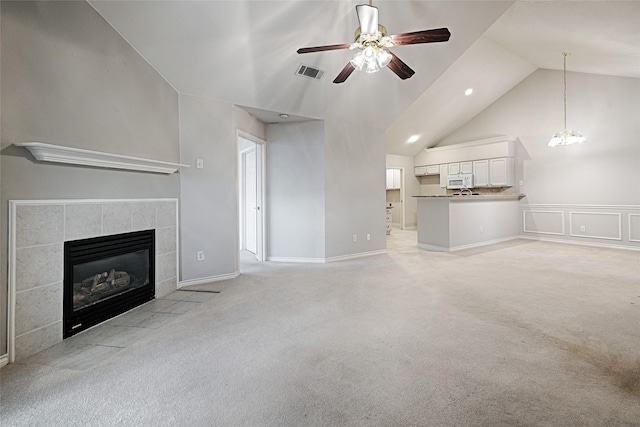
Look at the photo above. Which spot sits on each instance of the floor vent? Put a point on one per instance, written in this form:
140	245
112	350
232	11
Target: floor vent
310	72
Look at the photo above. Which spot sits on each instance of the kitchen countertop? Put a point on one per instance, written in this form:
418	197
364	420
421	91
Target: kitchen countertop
478	197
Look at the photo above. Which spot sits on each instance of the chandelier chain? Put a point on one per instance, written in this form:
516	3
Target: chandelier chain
565	88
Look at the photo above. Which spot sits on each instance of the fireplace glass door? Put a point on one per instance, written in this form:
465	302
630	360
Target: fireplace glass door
106	276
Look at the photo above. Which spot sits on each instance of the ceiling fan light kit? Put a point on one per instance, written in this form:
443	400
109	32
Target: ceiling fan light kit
566	137
373	43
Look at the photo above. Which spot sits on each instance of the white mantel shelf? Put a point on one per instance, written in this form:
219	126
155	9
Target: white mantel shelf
76	156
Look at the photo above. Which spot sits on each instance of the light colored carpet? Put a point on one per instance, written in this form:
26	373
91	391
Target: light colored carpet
518	334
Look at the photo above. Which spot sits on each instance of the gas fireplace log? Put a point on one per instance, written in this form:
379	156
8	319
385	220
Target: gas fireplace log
102	282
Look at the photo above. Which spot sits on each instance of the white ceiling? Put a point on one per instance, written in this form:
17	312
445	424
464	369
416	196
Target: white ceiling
244	52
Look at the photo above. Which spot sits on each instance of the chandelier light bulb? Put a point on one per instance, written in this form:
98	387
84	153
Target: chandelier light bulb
369	53
358	61
383	57
372	66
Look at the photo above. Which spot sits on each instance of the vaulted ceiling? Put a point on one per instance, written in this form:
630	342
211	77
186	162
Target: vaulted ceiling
244	52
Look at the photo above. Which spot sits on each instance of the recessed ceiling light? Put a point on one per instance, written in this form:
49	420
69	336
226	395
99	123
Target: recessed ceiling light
468	91
413	139
284	116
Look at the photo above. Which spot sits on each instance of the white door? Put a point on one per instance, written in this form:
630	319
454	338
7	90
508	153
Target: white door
250	204
250	198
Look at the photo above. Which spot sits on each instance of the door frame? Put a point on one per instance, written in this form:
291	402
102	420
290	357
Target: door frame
243	208
402	198
261	161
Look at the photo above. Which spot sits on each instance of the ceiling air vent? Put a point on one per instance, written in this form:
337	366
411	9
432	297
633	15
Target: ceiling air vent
310	72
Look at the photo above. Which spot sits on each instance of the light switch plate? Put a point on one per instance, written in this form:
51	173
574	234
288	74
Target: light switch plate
199	163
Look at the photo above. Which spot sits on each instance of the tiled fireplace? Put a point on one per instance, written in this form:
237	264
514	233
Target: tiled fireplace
38	230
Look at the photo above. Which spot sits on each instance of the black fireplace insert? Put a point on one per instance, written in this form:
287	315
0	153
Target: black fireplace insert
106	276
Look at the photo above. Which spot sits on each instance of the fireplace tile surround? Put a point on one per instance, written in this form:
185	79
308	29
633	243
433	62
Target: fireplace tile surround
37	232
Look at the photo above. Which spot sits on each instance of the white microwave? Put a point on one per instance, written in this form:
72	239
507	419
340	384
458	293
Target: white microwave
460	181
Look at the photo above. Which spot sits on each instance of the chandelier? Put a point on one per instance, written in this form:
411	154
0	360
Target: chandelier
373	51
566	137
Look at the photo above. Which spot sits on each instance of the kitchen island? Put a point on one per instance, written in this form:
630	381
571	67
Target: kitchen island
449	223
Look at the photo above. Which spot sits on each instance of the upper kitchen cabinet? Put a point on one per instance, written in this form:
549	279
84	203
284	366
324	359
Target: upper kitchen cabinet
433	169
453	168
491	148
491	161
501	172
466	167
393	179
498	172
444	169
481	173
426	170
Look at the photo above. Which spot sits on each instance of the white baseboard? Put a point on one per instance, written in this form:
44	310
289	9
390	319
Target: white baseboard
326	260
433	247
209	279
461	247
488	242
580	243
353	256
4	360
296	259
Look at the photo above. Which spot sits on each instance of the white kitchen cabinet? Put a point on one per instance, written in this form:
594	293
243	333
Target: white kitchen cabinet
453	168
393	179
493	172
427	170
481	173
466	167
433	169
444	169
501	172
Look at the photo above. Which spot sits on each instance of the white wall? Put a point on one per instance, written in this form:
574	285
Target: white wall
603	170
208	203
325	183
249	124
209	196
355	188
296	191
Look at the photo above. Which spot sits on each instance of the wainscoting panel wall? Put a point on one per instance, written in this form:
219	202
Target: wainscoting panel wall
634	227
597	225
543	222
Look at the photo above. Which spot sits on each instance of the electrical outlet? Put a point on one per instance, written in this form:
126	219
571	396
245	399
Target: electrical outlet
355	237
368	236
583	228
481	229
200	255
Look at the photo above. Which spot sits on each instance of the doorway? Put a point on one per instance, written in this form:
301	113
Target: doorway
396	195
251	168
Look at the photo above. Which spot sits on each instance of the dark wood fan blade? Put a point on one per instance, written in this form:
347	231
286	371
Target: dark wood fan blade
399	67
323	48
425	36
346	72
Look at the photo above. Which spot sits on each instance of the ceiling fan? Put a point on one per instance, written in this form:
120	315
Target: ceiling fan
373	43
